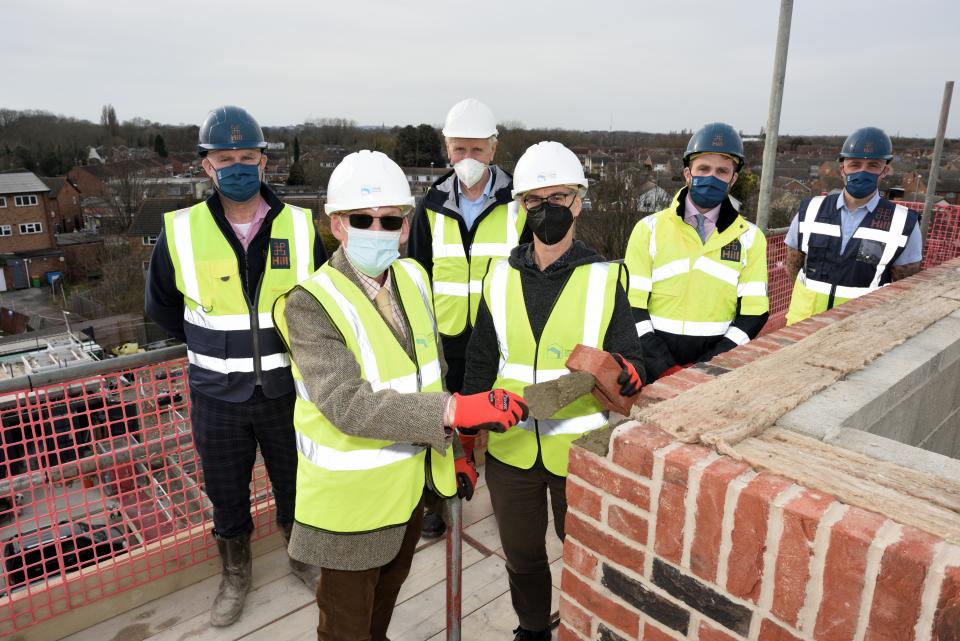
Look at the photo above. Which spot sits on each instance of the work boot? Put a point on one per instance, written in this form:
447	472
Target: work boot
234	581
433	525
522	634
309	574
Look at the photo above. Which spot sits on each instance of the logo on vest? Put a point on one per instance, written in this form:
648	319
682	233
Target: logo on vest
421	340
882	218
279	253
731	251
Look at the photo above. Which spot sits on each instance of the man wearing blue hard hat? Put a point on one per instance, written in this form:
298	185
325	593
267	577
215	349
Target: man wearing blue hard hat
844	245
214	275
698	269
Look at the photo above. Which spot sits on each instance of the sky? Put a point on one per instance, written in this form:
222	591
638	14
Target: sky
639	65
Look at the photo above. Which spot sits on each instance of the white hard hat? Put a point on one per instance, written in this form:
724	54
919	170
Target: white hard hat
470	118
367	179
547	164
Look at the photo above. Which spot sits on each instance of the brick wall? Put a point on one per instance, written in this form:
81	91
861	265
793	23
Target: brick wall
667	540
15	216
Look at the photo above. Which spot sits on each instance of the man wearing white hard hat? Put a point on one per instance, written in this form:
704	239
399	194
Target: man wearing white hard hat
375	428
466	219
550	295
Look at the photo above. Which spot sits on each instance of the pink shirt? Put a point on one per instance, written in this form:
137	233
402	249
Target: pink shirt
709	217
246	232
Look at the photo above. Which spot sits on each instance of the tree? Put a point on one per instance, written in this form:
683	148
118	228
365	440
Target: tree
418	147
296	151
108	120
747	191
607	225
296	175
160	146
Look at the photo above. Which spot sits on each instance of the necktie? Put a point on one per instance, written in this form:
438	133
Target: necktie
385	306
701	231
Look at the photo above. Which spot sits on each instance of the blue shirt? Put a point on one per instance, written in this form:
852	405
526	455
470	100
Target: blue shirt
471	209
849	221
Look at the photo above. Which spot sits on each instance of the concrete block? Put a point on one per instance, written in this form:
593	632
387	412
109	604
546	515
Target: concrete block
945	437
893	452
898	423
811	419
943	337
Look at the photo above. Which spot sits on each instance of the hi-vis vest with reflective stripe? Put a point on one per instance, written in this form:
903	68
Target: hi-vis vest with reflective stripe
692	288
232	345
350	483
457	280
581	314
829	278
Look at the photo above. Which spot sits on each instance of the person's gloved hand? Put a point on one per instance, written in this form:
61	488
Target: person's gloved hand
466	477
629	380
467	442
497	411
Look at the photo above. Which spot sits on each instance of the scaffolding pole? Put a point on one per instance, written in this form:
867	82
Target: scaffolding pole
935	162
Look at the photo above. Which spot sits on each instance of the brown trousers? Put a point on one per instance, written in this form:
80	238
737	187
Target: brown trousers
519	499
357	606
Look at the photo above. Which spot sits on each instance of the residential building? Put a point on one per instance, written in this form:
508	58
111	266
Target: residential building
64	197
27	246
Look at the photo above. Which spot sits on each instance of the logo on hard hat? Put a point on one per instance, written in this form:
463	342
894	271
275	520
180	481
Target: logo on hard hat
868	148
542	178
235	134
718	140
369	190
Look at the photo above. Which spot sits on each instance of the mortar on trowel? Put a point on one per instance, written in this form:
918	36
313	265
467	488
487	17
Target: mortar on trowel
591	371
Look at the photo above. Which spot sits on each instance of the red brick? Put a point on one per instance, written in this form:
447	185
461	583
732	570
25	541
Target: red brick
659	391
710	633
604	543
628	523
653	633
710	502
899	588
946	621
745	566
767	343
730	360
579	558
843	574
601	605
671	512
770	631
633	448
696	377
564	633
794	332
582	499
573	616
800	520
609	478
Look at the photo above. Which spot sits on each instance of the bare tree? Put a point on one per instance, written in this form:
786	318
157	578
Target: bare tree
126	193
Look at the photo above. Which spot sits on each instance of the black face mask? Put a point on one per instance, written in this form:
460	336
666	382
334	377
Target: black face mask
550	223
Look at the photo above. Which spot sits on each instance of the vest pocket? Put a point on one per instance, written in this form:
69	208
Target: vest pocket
870	252
217	278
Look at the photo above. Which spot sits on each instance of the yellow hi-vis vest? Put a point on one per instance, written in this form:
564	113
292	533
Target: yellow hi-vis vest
457	277
231	342
350	483
691	288
581	314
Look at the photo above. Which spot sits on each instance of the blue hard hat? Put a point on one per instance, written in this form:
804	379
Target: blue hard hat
867	142
715	138
230	127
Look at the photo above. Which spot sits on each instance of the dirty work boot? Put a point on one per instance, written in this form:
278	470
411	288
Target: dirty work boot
234	581
309	574
529	635
433	525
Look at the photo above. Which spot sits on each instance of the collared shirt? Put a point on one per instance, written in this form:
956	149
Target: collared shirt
710	217
849	221
371	287
470	209
246	231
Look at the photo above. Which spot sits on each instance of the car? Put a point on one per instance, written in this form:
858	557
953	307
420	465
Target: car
33	555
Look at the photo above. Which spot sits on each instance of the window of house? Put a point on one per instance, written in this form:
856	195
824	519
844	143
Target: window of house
145	264
25	201
3	201
150	240
6	230
31	228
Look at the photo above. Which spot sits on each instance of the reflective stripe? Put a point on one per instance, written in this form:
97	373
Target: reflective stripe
367	356
444	288
806	222
226	323
513	214
671	269
651	223
641	283
896	240
237	365
429	373
516	372
577	425
644	327
593	310
417	279
301	242
490	249
301	388
184	247
449	251
752	288
476	286
748	237
737	335
842	291
689	328
354	460
721	272
498	306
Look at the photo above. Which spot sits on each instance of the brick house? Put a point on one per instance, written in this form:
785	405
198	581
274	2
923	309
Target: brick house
27	245
64	201
148	223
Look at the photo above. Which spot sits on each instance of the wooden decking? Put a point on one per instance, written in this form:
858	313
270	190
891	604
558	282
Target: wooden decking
280	608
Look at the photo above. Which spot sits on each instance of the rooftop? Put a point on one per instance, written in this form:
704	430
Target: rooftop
22	183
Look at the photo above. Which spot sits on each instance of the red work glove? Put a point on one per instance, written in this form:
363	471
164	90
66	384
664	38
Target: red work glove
497	410
466	477
629	380
467	441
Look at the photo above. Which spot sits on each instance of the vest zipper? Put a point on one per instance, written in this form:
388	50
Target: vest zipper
255	317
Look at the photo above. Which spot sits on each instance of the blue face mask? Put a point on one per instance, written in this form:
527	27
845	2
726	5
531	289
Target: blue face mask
862	183
239	182
372	252
707	191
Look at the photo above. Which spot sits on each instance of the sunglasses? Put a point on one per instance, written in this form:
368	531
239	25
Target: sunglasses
364	221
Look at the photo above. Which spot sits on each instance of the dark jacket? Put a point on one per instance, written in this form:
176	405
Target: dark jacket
540	291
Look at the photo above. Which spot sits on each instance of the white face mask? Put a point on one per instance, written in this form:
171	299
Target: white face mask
372	252
469	171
